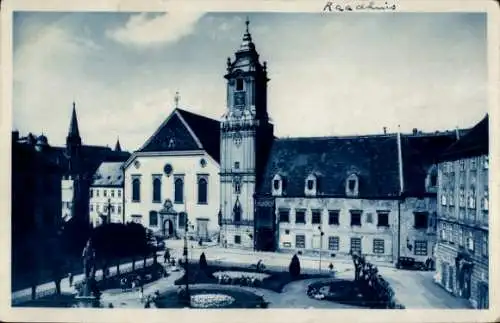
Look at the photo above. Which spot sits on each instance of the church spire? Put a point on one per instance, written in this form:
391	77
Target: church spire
73	126
118	148
247	44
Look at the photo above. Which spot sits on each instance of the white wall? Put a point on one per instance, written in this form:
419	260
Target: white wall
187	165
98	203
66	196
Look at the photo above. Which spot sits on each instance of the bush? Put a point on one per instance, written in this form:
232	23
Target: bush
203	262
294	267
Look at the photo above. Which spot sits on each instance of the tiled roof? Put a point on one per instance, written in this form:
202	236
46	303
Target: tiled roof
420	152
474	143
373	158
109	174
173	130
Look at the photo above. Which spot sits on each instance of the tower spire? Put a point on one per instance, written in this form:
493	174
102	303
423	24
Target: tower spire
247	44
118	146
73	126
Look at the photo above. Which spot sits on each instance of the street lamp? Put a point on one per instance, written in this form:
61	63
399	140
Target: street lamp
320	245
185	253
109	211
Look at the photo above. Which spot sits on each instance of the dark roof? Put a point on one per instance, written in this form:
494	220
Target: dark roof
109	174
420	152
373	158
206	130
474	143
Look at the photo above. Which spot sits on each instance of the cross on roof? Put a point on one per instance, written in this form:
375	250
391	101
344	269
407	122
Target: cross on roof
177	98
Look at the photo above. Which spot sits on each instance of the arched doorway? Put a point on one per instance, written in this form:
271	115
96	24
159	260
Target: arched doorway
168	228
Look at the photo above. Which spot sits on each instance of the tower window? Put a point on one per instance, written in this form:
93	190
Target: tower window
236	165
239	84
202	191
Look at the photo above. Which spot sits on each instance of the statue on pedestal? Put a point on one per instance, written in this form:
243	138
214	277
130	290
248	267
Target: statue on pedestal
89	293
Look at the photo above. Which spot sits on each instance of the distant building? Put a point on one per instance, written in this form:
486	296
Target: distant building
106	194
176	172
463	212
82	163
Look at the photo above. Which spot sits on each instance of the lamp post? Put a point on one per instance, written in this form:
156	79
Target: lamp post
185	253
109	211
320	245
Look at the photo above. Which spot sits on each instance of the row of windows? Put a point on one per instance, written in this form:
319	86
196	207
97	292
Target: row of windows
455	234
334	217
105	192
178	189
97	208
311	185
447	198
448	167
378	245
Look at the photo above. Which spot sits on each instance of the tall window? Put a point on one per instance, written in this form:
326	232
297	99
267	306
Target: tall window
333	243
333	217
356	245
112	193
178	190
91	193
136	189
378	246
202	191
157	189
316	217
97	192
284	216
300	216
470	241
355	218
105	193
153	218
383	219
119	193
484	246
119	209
300	241
420	220
420	248
239	84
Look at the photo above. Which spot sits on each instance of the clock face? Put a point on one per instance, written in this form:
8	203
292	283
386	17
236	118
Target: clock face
239	98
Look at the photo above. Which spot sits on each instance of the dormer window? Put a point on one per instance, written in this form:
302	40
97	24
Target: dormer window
431	180
352	185
311	185
278	185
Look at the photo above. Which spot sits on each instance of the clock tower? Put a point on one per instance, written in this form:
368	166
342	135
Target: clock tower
246	136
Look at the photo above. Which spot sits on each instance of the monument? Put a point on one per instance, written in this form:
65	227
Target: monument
89	294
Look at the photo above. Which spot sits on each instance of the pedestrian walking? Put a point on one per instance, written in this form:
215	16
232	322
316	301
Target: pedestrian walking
141	293
330	266
70	279
166	257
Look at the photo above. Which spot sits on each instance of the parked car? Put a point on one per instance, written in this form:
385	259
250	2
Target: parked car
409	263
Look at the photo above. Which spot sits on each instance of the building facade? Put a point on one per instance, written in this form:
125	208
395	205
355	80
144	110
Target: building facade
174	178
463	212
106	194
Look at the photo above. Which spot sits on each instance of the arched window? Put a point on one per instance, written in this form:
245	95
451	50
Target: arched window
202	191
153	218
237	211
136	189
157	189
179	190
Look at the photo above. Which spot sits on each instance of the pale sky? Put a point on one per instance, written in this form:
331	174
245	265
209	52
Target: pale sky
331	74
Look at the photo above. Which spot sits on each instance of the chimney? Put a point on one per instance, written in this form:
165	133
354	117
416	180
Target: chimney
15	136
385	130
415	131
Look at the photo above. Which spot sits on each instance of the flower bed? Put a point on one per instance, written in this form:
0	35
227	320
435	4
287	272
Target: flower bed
211	300
240	278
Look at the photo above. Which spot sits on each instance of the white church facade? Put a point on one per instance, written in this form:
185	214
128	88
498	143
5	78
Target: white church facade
174	176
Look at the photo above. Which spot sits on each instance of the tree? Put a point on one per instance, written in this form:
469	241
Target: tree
294	267
203	262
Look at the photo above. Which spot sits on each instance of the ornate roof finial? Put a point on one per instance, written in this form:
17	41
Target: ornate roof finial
247	22
177	98
247	38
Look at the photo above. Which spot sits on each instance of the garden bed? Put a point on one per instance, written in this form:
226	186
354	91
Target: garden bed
345	292
211	298
242	276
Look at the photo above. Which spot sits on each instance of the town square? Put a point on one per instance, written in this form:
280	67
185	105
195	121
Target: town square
232	160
